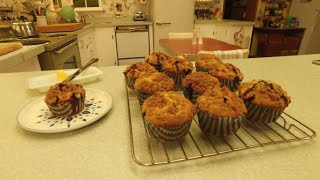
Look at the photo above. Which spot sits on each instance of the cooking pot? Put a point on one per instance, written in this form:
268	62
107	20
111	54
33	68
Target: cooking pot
25	29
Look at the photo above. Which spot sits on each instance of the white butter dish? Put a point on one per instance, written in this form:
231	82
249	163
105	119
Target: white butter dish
42	83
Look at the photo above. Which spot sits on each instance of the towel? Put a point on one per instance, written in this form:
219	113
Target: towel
232	54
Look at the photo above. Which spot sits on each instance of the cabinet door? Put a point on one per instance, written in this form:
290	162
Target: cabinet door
221	32
105	46
207	30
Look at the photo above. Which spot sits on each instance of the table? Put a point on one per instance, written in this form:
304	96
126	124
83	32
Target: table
102	150
185	46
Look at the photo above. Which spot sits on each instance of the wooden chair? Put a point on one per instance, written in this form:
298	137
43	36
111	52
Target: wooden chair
231	54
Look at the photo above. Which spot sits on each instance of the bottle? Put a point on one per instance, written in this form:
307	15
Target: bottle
200	41
194	36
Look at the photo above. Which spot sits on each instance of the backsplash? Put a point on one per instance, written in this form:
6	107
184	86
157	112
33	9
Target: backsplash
113	8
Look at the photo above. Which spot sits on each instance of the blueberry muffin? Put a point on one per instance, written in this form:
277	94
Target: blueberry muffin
197	83
220	111
228	75
265	100
177	68
65	99
137	70
155	59
205	62
148	85
168	116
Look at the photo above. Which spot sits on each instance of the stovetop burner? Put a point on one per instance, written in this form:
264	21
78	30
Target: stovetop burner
24	41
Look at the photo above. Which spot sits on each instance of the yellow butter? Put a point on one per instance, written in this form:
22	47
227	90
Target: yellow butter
61	75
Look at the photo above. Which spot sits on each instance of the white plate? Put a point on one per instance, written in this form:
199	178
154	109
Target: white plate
42	83
36	116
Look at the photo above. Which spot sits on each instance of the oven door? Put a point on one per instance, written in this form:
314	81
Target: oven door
66	56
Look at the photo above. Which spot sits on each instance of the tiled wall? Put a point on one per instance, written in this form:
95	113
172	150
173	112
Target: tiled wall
116	7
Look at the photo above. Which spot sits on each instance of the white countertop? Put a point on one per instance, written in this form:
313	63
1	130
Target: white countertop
21	55
102	150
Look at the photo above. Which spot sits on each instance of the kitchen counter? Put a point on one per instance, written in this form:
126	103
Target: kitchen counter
224	21
19	56
102	150
123	21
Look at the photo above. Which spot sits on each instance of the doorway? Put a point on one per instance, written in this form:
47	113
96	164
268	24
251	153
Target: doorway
242	10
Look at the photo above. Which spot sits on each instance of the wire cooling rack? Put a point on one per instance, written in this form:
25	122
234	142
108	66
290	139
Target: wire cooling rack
148	151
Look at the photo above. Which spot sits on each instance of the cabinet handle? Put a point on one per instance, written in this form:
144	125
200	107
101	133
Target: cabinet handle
112	37
160	24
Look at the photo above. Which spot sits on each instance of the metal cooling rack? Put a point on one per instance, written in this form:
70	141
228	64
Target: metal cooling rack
147	151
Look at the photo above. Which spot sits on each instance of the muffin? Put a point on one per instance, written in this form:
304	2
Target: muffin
65	99
265	100
177	67
197	83
228	75
168	116
148	85
137	70
220	111
205	62
155	59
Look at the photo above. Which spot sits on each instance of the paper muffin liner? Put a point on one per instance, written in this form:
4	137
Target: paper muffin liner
233	85
158	67
168	134
142	96
177	77
73	107
130	82
220	126
261	114
190	94
202	69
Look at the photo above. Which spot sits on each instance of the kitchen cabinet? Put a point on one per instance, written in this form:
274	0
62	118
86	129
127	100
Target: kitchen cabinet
105	45
26	66
239	35
86	43
268	42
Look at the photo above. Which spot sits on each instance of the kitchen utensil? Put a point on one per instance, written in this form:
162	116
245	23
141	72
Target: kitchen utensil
139	16
72	76
30	7
36	116
25	29
9	47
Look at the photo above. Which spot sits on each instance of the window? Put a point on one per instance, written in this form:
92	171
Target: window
86	3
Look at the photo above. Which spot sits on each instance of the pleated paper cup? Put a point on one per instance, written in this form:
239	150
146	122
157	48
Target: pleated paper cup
233	85
142	96
220	126
177	77
261	114
168	134
75	106
158	67
130	82
190	94
202	69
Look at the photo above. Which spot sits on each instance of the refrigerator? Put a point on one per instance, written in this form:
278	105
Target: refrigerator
170	16
308	14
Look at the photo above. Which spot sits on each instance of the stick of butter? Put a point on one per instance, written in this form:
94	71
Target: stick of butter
61	75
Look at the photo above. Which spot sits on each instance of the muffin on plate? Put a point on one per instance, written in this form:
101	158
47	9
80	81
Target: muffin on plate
177	68
228	75
205	62
220	111
65	99
196	83
168	116
265	100
137	70
148	85
155	59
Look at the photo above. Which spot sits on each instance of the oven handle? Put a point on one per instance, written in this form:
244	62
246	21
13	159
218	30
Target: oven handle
60	51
